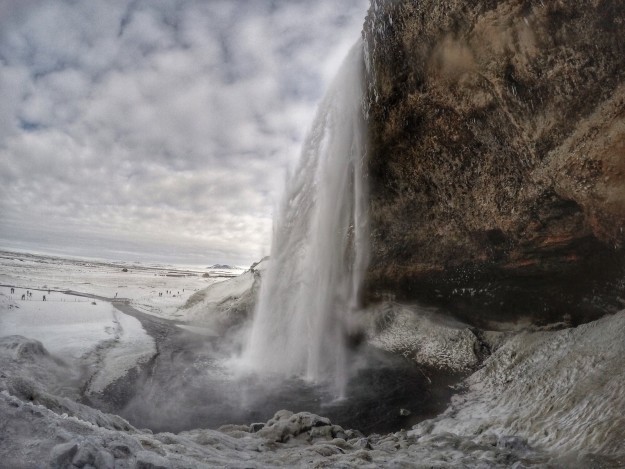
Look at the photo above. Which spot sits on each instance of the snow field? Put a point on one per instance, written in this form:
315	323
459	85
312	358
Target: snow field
80	331
156	290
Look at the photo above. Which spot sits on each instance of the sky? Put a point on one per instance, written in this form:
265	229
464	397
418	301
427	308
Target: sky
158	130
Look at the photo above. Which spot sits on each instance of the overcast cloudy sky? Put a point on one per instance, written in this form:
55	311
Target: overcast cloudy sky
158	129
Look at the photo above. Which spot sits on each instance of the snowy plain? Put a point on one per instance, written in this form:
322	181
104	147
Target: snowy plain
141	284
89	332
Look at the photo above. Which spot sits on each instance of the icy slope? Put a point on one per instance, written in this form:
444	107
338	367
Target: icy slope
563	391
225	304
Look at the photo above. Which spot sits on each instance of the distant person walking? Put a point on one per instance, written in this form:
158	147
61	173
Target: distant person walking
44	297
23	297
12	290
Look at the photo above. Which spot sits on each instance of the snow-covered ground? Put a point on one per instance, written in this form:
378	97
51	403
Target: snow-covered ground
85	334
159	290
68	326
562	391
91	335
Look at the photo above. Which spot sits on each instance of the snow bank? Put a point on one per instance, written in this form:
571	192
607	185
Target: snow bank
66	325
422	335
226	304
563	391
547	398
86	334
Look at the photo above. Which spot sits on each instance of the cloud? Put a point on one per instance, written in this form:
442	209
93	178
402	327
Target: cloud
158	127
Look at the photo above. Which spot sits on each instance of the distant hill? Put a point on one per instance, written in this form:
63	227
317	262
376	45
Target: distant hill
220	266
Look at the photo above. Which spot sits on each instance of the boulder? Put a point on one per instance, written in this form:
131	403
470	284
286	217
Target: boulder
286	425
497	156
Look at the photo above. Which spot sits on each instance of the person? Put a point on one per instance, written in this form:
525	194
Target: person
44	297
116	294
12	290
23	297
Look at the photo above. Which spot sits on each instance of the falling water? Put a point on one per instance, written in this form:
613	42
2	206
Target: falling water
320	244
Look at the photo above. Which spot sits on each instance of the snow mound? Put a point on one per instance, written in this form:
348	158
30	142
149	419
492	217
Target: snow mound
28	358
131	347
19	347
226	304
420	335
559	390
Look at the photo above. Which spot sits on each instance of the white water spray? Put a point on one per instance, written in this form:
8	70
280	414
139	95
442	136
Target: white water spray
320	244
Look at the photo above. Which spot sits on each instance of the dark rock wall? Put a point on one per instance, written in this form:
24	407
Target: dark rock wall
497	155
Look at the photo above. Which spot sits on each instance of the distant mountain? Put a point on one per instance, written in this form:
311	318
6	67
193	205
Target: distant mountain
220	266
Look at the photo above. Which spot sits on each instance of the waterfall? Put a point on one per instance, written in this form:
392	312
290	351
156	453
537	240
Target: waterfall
320	244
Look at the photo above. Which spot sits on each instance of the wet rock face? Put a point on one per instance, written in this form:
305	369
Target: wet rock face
497	155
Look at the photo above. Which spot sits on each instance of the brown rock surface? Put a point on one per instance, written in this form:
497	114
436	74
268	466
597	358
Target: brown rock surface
497	149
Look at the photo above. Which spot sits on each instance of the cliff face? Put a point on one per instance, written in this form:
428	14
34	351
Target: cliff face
497	155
